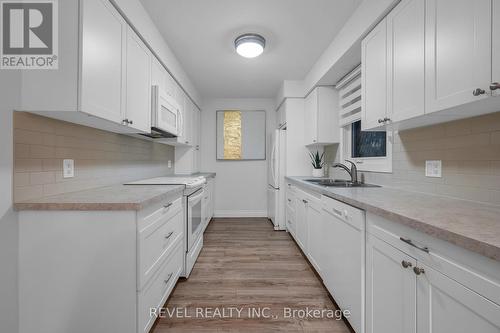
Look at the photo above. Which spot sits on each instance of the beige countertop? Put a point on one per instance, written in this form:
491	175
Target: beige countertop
117	197
471	225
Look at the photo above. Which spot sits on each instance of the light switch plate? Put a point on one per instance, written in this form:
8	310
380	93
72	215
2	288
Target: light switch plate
68	168
433	169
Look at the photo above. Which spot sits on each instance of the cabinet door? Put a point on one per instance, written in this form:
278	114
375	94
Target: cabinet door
496	45
374	76
102	86
138	83
311	118
301	222
458	52
390	289
444	305
315	227
185	129
406	60
158	74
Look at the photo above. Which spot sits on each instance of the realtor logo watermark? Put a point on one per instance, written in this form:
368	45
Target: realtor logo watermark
29	34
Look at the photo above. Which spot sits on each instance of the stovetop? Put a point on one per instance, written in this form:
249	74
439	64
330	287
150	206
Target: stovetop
189	182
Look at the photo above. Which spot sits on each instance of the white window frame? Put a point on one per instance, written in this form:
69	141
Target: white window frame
367	164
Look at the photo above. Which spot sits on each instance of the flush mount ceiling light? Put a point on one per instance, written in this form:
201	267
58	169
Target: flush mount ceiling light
250	45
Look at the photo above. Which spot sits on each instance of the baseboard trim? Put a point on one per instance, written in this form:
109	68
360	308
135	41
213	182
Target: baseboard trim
240	213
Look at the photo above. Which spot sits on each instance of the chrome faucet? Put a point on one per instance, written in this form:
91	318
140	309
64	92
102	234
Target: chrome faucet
353	172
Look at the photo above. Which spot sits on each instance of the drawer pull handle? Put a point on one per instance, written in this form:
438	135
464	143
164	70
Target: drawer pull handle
406	264
289	200
304	201
169	235
168	205
410	242
337	212
418	270
168	278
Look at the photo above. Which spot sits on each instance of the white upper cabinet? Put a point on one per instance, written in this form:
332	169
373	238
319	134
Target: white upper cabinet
281	116
105	76
406	60
321	117
431	56
138	83
495	77
374	77
102	87
458	52
390	289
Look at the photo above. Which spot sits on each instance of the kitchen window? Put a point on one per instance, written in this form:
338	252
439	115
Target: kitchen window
370	150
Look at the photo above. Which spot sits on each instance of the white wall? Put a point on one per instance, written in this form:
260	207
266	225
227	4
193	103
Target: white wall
241	186
9	98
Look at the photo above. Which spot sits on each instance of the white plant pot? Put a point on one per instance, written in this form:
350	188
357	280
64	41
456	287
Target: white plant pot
318	173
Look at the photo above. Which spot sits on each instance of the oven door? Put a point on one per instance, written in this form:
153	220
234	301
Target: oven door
194	217
167	114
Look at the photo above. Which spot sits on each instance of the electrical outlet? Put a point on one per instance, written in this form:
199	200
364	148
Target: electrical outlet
169	164
68	168
433	169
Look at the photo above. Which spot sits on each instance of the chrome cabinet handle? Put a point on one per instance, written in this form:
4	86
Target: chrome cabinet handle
384	120
494	86
418	270
168	278
406	264
478	92
410	242
289	200
130	122
125	121
380	121
305	201
168	205
169	235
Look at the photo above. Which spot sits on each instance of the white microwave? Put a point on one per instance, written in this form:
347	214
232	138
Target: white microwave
166	117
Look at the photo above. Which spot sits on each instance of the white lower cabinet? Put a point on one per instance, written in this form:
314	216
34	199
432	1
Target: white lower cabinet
156	292
315	228
443	305
392	278
307	212
415	283
99	271
390	289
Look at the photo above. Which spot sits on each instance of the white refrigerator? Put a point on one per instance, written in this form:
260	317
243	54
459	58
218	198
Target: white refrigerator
276	180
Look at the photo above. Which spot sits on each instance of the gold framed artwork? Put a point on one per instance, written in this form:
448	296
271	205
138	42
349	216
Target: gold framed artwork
241	135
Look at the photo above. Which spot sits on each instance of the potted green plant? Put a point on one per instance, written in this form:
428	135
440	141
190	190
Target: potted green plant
318	162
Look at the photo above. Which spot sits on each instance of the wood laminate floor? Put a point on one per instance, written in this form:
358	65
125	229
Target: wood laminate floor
246	265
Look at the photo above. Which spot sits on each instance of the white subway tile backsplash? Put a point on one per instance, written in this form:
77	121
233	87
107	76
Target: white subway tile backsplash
470	153
101	158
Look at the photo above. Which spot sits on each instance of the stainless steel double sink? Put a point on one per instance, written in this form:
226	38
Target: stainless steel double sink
338	183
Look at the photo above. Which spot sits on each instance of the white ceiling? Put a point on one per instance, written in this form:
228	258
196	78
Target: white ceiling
201	34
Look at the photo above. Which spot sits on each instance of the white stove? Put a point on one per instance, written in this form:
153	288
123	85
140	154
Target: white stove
190	182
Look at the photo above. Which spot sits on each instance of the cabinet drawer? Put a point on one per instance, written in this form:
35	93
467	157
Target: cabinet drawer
165	209
156	242
159	288
353	216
